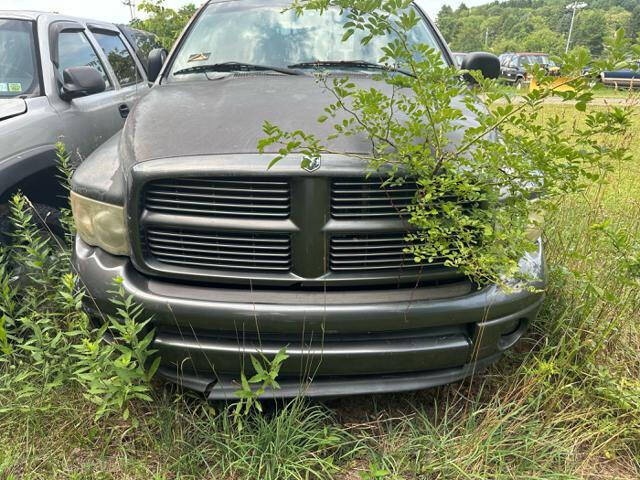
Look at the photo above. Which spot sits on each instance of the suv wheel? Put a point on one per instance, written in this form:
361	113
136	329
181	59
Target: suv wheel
45	217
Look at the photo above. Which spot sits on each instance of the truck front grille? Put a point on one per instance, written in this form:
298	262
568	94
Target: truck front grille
366	252
276	229
241	251
220	197
355	199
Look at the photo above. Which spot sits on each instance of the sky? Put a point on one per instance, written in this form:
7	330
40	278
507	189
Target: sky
114	10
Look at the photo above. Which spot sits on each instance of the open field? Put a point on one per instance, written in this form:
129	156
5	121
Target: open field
565	404
600	92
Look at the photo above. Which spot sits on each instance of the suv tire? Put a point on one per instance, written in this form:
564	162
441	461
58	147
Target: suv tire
47	219
5	225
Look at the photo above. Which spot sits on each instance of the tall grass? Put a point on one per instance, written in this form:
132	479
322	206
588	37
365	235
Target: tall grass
564	404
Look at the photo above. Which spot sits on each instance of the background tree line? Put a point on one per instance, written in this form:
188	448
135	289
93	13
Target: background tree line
164	22
537	25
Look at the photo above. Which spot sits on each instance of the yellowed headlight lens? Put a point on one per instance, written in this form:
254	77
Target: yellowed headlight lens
100	224
536	223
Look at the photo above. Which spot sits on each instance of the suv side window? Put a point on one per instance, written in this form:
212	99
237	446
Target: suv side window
74	50
123	64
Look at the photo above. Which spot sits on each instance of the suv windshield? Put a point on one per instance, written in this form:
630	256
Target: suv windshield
18	59
259	33
536	60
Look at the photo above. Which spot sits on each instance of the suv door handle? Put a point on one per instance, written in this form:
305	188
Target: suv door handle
124	110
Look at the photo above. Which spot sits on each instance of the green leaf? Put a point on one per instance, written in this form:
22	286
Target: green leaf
154	367
347	34
274	161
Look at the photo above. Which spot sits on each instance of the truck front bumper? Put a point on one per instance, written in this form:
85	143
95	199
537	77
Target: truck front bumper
338	342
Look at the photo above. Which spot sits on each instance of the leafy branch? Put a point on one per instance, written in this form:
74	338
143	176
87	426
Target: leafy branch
477	156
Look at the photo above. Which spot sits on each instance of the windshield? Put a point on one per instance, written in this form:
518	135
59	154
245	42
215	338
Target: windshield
18	60
254	33
536	60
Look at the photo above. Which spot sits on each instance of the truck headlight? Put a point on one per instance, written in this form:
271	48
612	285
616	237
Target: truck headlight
536	223
100	224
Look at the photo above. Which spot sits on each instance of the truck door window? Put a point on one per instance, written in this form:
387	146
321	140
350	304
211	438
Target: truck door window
74	50
143	43
123	64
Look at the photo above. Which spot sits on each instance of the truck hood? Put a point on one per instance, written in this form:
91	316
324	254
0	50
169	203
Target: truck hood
225	115
12	107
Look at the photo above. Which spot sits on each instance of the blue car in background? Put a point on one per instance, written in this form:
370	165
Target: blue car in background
627	78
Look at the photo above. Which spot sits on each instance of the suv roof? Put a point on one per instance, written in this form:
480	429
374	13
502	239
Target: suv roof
35	14
21	14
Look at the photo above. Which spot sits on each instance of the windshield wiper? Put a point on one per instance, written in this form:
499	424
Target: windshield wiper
236	67
363	64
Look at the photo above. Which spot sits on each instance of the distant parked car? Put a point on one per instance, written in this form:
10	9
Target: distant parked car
459	57
514	66
61	78
626	78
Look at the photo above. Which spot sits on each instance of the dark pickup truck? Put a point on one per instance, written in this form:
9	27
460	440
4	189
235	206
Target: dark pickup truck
233	259
41	56
514	67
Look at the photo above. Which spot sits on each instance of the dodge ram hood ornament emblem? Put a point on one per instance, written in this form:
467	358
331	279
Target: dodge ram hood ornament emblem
311	164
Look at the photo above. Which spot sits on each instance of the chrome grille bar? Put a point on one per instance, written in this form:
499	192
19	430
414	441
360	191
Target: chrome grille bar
242	197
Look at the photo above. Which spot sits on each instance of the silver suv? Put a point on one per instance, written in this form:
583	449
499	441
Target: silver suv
61	79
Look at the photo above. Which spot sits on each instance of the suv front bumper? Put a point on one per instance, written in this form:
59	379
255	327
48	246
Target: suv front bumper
348	342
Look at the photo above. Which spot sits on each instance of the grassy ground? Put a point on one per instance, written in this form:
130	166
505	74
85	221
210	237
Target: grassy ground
600	91
564	404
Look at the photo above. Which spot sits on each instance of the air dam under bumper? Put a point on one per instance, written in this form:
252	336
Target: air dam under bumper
349	342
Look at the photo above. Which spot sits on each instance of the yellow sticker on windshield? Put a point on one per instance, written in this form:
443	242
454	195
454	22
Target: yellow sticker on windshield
199	57
15	87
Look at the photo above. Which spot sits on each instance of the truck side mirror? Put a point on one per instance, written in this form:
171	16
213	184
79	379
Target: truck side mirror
157	56
80	82
487	63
